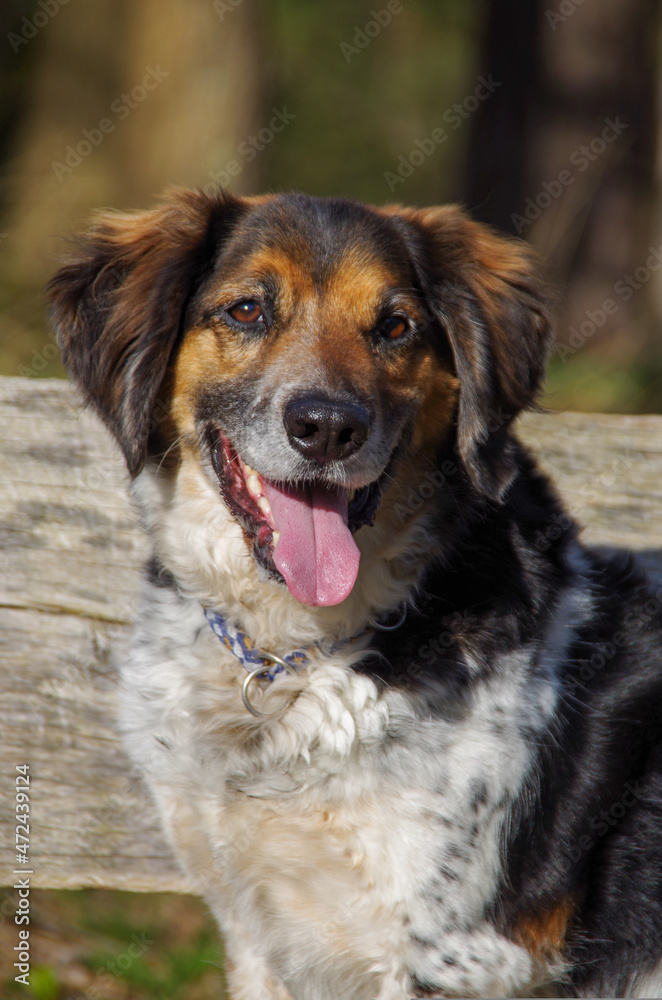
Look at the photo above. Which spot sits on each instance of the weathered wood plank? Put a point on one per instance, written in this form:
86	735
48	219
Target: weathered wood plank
70	557
608	469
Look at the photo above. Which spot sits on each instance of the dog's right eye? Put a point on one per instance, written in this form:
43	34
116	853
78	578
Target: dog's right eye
248	311
393	328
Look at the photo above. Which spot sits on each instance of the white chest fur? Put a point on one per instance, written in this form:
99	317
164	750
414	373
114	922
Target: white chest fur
350	840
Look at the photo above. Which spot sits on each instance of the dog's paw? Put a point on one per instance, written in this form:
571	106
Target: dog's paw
472	964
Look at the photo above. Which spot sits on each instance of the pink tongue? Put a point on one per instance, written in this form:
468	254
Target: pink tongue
316	553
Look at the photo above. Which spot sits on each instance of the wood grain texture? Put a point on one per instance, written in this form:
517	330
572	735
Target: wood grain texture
71	552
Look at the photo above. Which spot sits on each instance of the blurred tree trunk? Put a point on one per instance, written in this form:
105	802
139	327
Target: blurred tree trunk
563	154
126	98
497	156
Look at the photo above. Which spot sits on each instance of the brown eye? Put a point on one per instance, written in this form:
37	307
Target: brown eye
249	311
394	327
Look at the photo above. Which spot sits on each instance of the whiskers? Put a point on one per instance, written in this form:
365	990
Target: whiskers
168	450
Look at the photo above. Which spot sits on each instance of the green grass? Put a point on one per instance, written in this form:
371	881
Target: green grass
124	946
592	385
44	983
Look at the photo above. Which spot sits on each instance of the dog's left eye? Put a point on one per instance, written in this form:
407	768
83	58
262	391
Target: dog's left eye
248	311
393	328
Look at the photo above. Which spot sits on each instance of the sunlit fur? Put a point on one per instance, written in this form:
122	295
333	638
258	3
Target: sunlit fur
406	820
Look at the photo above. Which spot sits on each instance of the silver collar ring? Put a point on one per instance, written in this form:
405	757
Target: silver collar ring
260	672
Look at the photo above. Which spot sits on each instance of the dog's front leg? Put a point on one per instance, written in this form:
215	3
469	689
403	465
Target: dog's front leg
473	963
248	975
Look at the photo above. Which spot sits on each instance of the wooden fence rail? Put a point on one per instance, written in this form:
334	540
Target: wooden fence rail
71	552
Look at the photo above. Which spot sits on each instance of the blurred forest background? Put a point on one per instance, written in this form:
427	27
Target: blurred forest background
541	116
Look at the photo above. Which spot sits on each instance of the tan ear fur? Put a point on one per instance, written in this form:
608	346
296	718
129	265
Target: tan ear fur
487	292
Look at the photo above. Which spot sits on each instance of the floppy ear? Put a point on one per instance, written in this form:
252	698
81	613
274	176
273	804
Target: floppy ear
118	304
485	291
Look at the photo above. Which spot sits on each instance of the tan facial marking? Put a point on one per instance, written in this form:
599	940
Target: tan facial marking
204	359
322	334
441	391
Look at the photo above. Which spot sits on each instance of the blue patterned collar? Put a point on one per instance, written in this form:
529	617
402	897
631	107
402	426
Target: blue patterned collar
259	664
267	666
238	643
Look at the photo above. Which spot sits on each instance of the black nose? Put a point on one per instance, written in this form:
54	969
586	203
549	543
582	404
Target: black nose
324	430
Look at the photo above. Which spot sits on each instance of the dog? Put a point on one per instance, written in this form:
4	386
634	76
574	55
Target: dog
385	729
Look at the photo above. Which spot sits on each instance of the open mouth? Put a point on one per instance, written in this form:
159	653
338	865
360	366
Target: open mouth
301	533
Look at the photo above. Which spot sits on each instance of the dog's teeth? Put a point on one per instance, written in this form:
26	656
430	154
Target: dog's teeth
253	483
248	471
264	506
276	536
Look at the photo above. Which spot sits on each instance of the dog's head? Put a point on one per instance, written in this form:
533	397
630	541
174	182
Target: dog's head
310	352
